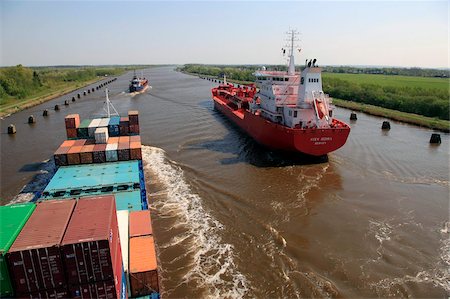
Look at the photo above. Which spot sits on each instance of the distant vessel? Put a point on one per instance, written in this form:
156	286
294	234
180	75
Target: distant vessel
285	110
138	84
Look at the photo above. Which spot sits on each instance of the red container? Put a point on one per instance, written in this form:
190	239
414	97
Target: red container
143	266
91	248
135	138
134	129
135	151
100	289
73	155
34	259
60	155
99	155
124	126
50	293
72	121
133	116
140	223
123	151
71	133
86	154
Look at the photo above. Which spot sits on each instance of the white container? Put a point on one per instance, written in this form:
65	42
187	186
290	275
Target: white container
123	222
111	152
101	135
104	122
93	126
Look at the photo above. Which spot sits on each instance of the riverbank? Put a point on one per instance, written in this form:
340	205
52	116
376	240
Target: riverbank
410	118
60	90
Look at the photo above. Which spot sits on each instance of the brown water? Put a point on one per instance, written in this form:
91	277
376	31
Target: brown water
232	219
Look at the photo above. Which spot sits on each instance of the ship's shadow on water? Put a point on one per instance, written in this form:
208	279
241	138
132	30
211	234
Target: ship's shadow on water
247	150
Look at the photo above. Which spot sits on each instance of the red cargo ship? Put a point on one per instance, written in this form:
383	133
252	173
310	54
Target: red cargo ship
285	111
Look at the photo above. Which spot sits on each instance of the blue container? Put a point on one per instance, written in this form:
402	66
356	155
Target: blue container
123	287
93	179
128	200
113	126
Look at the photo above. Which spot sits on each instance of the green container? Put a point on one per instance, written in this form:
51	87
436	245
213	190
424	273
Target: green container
12	220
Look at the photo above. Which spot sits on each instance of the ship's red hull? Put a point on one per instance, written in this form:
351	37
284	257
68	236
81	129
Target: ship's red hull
314	142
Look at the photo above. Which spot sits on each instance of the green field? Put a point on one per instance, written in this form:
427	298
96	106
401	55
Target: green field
394	81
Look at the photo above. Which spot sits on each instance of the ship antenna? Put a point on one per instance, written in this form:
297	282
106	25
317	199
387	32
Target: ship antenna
293	39
109	105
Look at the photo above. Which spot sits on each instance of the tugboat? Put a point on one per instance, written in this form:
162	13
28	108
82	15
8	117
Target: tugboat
285	111
138	84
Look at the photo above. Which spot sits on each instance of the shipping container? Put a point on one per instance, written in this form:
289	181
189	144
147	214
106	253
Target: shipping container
135	151
124	126
117	175
143	266
140	223
113	139
12	220
72	121
91	246
49	293
93	126
60	155
86	154
135	138
113	126
128	200
133	117
79	142
34	259
82	130
101	135
124	139
99	155
123	151
100	289
111	152
122	219
134	129
104	122
73	155
68	143
71	133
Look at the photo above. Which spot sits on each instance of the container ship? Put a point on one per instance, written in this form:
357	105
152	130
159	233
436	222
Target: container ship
138	84
88	234
285	111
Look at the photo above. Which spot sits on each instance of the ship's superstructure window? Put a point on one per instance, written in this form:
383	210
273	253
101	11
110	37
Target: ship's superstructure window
313	80
302	80
295	113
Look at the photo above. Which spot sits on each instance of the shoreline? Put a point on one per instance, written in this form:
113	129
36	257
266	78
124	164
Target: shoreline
51	95
409	118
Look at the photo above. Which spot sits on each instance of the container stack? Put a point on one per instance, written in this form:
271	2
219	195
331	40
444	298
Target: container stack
90	235
34	259
91	251
143	269
72	122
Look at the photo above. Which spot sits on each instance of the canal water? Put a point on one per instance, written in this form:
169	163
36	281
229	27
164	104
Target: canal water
232	219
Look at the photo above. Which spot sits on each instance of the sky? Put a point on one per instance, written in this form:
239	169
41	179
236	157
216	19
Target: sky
381	33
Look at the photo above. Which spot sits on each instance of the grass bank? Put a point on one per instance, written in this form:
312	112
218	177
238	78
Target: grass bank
12	105
410	118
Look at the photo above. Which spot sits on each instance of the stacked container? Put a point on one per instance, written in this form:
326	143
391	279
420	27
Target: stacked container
72	122
34	259
122	219
12	220
101	135
143	269
133	117
91	250
113	126
82	131
93	126
124	126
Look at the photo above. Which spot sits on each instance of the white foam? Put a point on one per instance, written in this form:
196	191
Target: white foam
212	258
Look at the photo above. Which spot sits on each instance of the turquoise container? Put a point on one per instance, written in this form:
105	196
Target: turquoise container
129	200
